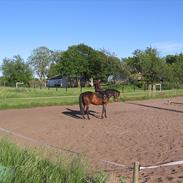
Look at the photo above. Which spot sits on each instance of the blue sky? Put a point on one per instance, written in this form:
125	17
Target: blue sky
119	26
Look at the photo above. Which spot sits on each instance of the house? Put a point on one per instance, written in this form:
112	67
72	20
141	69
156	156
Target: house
117	79
57	81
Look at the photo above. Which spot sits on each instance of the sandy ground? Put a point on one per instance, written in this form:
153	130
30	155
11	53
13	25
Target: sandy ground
150	132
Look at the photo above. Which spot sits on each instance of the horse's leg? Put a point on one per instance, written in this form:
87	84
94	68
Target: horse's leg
105	110
87	111
81	105
83	115
83	112
102	111
84	109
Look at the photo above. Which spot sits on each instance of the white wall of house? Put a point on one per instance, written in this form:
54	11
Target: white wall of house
57	82
54	82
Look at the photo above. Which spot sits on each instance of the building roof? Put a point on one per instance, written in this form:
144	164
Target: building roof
55	77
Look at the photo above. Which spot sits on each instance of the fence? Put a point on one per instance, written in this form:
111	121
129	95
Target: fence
137	167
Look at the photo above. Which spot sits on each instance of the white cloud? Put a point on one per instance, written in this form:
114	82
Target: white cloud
168	47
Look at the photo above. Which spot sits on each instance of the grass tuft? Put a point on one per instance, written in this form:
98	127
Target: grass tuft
18	165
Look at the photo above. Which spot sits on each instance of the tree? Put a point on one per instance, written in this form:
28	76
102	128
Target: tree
16	70
177	68
40	60
54	68
111	65
152	65
134	63
97	65
170	59
124	71
83	61
148	64
74	61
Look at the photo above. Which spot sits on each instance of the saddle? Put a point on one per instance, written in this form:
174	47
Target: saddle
101	95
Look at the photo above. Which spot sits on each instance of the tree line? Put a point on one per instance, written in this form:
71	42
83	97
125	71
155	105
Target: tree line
144	67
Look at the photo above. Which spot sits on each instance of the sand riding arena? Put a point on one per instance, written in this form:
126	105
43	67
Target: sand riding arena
150	132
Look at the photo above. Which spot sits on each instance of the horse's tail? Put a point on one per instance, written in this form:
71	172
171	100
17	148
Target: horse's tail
81	104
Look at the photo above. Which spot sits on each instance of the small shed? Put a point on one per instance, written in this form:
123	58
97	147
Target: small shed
117	78
57	81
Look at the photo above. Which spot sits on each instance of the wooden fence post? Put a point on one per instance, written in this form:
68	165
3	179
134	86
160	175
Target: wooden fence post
136	172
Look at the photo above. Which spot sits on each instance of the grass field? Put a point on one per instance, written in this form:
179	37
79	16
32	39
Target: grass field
32	97
18	165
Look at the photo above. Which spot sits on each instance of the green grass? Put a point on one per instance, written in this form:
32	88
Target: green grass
10	92
18	165
33	102
23	98
142	95
30	97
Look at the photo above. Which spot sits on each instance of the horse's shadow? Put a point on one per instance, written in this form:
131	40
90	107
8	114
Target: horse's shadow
77	114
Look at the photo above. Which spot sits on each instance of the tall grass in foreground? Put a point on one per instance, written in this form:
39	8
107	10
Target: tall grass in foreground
26	166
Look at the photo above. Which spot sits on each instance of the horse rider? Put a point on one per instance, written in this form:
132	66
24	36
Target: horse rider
98	89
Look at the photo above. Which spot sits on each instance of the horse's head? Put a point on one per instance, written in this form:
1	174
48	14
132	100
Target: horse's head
116	96
113	93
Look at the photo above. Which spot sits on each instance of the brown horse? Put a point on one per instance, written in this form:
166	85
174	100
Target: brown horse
95	98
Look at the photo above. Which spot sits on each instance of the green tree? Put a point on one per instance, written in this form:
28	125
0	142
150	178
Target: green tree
54	68
134	67
177	68
152	65
74	61
134	63
124	70
40	60
148	64
97	65
16	70
2	81
82	60
112	64
170	59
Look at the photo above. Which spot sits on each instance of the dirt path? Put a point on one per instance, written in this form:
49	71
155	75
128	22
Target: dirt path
150	132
